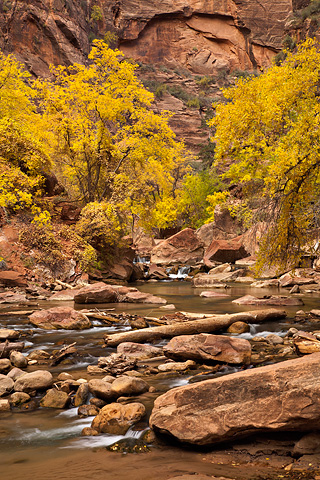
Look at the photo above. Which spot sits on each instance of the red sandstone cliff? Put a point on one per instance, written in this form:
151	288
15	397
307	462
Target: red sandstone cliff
203	35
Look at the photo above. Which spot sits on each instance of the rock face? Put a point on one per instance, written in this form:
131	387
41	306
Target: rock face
60	317
10	278
284	396
206	36
209	348
183	247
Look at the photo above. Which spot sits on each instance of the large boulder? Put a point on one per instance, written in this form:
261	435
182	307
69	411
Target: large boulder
280	397
209	348
97	293
182	248
226	251
37	380
60	317
116	418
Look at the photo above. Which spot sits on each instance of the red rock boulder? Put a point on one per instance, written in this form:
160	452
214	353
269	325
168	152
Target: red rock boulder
182	248
225	251
60	317
280	397
96	293
209	348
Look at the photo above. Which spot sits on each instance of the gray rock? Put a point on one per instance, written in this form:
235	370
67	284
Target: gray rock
18	359
82	395
37	380
125	385
5	365
17	398
138	350
7	334
101	389
6	385
55	399
15	373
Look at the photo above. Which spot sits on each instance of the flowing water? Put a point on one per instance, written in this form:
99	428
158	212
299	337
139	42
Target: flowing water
46	443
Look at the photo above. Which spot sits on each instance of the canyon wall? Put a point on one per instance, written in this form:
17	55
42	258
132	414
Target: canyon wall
205	36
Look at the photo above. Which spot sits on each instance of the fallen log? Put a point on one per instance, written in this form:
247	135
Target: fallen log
7	347
204	325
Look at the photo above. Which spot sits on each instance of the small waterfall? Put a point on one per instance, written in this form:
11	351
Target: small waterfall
181	274
143	260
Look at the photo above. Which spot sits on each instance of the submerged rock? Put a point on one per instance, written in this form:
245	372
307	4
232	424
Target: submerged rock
205	347
284	396
277	300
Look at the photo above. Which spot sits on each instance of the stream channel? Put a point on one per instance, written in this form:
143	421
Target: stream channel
46	443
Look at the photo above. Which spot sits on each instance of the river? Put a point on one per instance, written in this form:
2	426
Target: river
46	444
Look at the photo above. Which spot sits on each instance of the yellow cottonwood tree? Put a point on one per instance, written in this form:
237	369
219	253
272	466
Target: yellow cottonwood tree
108	145
22	154
268	139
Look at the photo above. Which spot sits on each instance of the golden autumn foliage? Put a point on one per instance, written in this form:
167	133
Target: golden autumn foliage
268	139
22	154
106	142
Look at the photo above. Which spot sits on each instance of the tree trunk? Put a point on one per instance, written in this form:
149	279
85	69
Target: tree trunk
205	325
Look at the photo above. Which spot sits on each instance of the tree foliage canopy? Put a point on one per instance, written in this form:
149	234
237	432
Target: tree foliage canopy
22	154
268	139
106	141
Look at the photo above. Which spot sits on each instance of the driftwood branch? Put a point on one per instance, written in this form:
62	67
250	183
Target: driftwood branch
63	353
205	325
